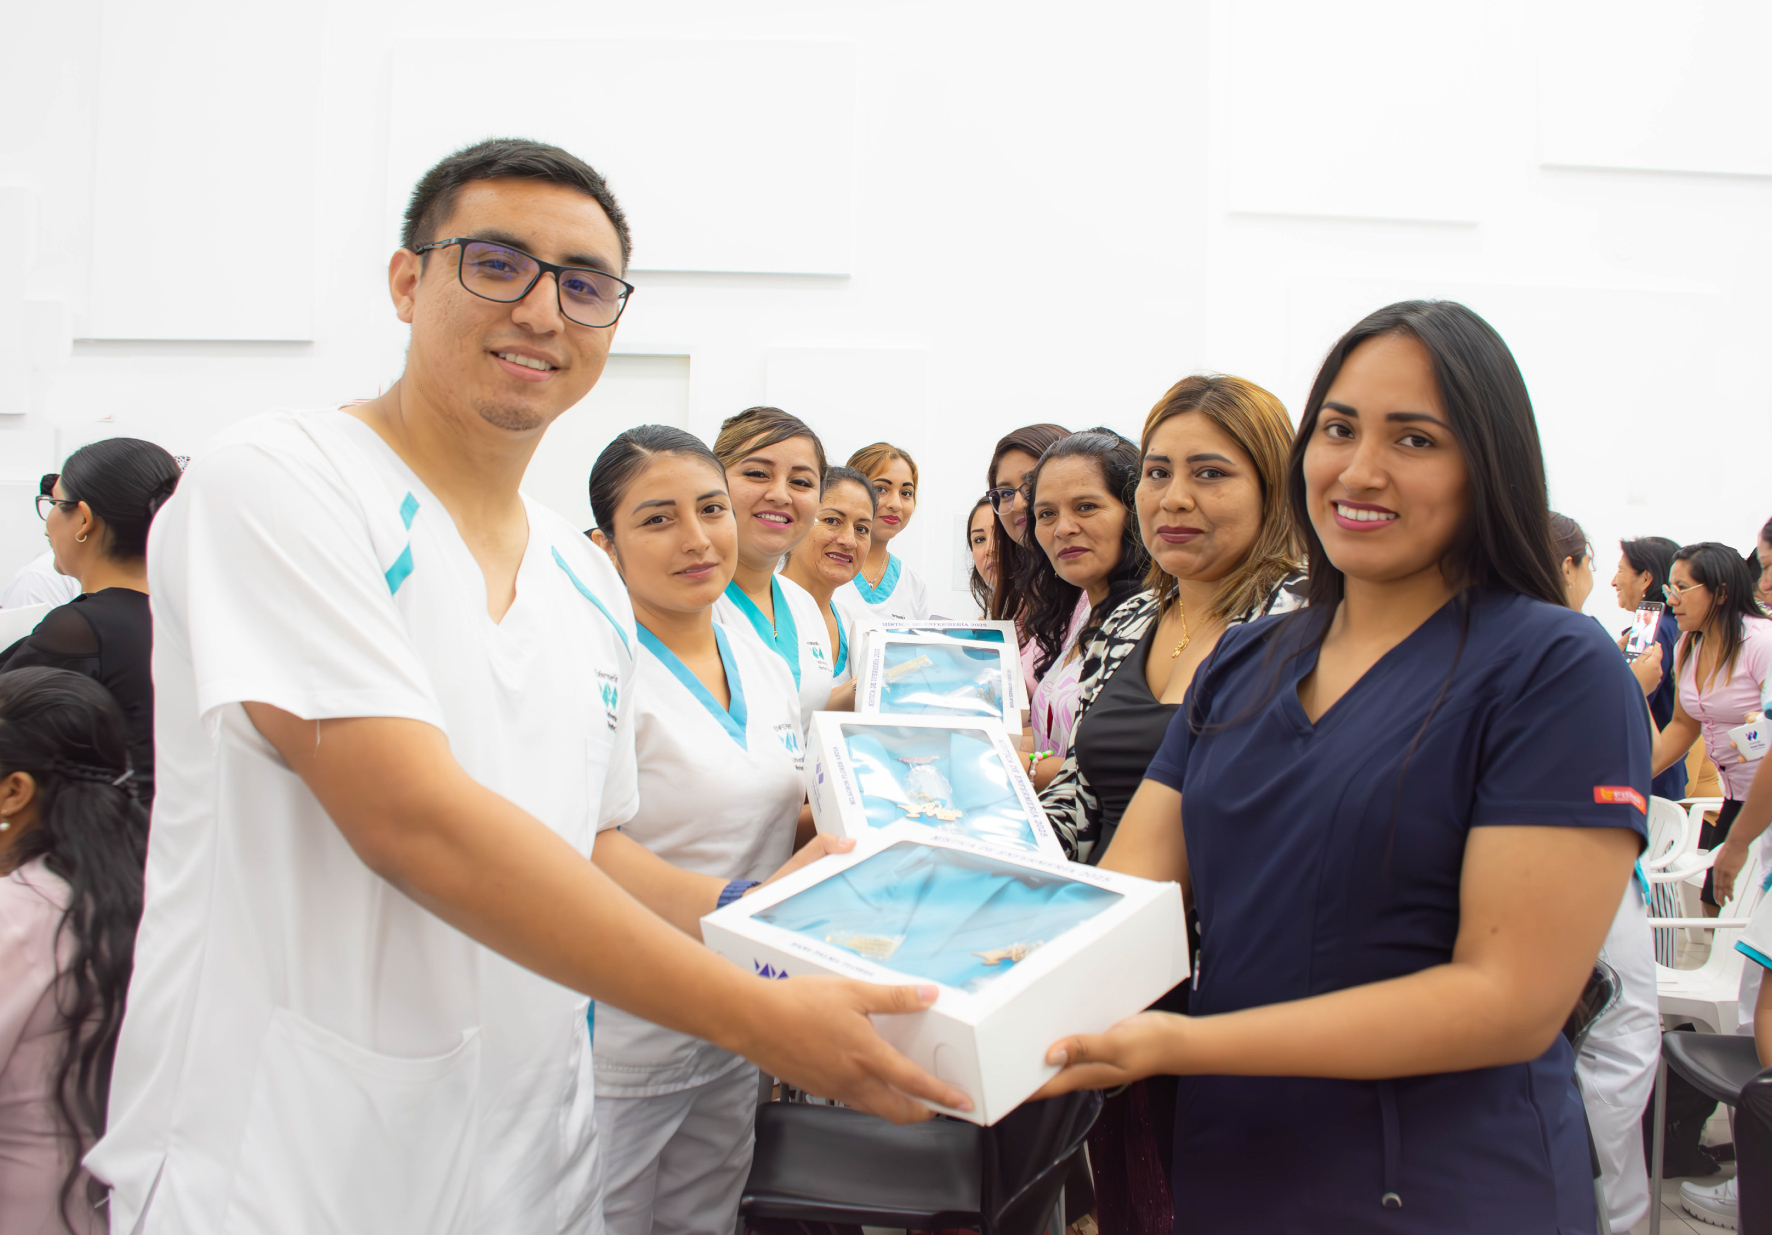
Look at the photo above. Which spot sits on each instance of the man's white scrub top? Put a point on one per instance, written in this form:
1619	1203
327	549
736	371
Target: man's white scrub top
307	1050
798	637
720	793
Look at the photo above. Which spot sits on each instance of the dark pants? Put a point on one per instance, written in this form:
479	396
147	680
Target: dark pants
1713	834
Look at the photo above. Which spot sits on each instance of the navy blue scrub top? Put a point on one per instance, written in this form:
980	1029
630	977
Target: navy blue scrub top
1321	859
1671	784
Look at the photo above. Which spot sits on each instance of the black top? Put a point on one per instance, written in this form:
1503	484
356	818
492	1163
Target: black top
1671	784
1118	737
108	636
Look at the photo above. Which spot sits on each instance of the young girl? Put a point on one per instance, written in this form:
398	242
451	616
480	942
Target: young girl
1406	815
73	840
774	465
885	587
828	559
717	727
1091	560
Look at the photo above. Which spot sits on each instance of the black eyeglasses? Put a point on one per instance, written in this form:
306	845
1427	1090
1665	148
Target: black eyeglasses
46	493
1001	496
499	273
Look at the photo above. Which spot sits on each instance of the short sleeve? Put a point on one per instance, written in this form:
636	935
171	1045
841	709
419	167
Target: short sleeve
63	638
1169	765
1566	744
1756	941
263	571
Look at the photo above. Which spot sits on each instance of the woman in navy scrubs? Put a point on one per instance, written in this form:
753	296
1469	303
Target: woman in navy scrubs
1411	810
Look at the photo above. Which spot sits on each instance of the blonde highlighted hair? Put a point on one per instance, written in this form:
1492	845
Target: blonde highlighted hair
1258	423
870	461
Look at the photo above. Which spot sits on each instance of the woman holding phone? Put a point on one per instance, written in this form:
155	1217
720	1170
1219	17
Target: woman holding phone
1640	579
1405	815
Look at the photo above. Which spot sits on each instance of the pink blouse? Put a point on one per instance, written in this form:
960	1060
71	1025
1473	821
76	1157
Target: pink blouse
1726	703
34	1149
1054	704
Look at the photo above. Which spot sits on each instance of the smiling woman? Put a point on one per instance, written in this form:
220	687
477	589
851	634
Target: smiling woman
886	587
828	559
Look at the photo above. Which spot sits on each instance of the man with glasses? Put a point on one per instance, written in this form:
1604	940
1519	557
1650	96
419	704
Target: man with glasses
394	709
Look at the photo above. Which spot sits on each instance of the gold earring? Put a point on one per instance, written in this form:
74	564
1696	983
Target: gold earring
81	538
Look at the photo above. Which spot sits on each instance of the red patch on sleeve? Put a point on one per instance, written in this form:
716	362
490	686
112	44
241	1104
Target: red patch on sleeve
1622	794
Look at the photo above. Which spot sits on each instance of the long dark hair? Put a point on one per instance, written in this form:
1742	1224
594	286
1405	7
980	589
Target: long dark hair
1048	600
68	734
125	480
1651	555
976	583
1012	555
1506	539
627	456
1722	570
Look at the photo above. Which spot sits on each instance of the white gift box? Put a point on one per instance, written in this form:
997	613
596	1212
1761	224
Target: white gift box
980	631
1024	949
935	675
865	773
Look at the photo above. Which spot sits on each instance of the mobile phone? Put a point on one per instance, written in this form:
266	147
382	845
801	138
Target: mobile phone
1642	629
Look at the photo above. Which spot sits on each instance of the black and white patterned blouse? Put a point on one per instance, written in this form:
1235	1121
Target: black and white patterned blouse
1072	808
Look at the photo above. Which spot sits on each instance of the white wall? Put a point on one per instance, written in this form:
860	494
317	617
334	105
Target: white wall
924	221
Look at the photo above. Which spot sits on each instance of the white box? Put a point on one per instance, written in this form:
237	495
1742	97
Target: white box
979	631
935	675
1024	949
964	777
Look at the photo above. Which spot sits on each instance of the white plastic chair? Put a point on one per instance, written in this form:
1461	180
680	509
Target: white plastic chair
16	623
1671	834
1709	995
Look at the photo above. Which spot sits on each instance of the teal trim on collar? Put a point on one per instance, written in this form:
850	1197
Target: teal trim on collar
1753	954
842	642
732	721
783	637
888	581
592	597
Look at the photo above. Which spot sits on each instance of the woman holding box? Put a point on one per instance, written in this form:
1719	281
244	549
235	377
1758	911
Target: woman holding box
885	587
1405	816
774	468
713	711
829	557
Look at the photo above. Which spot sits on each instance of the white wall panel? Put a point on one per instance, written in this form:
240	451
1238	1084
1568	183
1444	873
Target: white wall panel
1333	110
634	390
1658	86
726	154
203	212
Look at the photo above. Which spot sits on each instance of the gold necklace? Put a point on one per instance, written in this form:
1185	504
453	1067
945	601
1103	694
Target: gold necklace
1181	610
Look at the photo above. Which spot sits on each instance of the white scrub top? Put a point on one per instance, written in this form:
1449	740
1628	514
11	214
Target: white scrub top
798	637
720	794
901	596
304	1046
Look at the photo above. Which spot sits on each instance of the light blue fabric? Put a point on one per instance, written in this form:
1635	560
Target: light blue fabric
784	637
732	720
931	913
842	642
1753	954
976	782
402	567
888	581
592	597
956	681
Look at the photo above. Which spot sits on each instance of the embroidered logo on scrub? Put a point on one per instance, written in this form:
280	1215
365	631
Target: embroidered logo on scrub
606	685
1621	795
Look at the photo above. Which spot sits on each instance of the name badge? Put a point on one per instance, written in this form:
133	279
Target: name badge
1753	739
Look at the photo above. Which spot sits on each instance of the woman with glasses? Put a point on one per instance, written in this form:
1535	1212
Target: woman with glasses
1092	559
1405	815
1012	463
774	465
1723	667
96	513
885	587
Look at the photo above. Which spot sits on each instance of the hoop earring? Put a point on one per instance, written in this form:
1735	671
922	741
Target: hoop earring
81	538
5	824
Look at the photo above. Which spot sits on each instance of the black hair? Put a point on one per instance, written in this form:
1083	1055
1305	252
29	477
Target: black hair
976	583
125	481
757	428
1049	602
1721	569
626	457
1012	555
68	734
1568	541
1652	555
1505	541
837	474
503	158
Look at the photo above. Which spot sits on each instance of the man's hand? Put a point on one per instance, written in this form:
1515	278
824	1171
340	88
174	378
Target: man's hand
815	1034
1731	857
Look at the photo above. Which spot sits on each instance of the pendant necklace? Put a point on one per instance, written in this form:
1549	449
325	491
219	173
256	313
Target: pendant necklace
1181	610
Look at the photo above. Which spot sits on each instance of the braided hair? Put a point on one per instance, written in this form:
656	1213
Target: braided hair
66	732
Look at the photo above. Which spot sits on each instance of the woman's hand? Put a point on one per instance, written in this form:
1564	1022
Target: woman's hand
842	699
821	845
1139	1046
1731	857
1647	669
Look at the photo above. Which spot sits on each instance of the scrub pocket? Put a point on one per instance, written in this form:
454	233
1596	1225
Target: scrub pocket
341	1139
